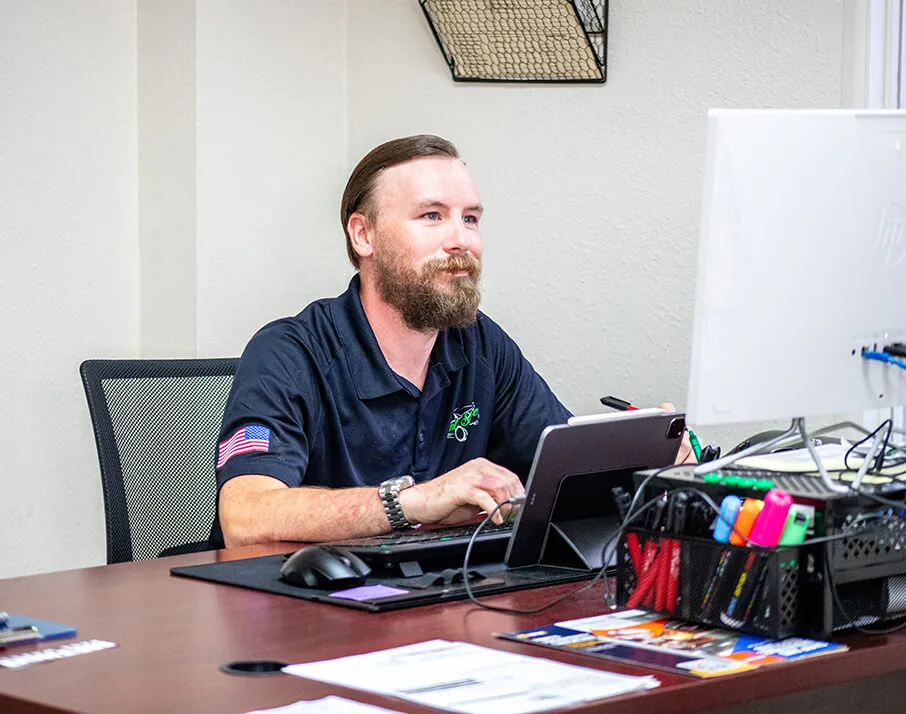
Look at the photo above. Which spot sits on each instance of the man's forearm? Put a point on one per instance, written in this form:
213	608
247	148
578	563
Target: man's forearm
253	515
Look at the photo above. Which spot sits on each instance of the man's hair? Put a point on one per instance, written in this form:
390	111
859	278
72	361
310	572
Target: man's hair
357	198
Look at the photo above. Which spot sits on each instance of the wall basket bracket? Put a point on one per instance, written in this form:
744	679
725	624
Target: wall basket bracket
521	40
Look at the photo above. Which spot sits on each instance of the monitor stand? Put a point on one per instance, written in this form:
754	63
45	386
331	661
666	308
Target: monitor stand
796	428
580	543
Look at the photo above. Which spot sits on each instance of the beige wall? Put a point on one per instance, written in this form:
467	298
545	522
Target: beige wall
171	173
271	86
68	264
167	176
592	193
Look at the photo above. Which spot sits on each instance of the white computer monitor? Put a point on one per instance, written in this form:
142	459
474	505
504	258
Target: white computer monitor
802	263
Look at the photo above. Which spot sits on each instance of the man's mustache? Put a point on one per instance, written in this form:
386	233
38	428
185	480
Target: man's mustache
455	264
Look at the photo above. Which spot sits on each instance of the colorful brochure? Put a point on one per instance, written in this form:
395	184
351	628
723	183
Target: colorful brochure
643	638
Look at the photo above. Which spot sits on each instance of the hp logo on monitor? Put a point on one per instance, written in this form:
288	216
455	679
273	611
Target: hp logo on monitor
892	234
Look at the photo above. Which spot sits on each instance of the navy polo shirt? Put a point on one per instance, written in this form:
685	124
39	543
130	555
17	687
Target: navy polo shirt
335	414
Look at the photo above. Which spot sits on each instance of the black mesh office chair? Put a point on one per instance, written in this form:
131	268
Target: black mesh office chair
156	424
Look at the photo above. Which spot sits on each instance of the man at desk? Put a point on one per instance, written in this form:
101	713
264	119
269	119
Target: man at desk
398	402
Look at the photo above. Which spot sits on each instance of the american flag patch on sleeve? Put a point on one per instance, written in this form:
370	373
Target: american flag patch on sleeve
246	439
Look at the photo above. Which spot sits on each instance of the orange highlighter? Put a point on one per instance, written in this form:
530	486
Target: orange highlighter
748	512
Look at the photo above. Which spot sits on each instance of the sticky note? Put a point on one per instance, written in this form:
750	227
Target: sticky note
368	592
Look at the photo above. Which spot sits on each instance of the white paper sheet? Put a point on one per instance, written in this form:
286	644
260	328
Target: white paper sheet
327	705
462	677
801	460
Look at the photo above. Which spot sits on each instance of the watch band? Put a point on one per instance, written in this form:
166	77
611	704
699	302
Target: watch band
389	492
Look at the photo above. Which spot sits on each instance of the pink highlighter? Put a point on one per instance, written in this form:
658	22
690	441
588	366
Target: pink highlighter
765	532
770	522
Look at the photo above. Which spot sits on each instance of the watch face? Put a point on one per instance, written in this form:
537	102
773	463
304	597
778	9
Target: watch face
398	483
388	491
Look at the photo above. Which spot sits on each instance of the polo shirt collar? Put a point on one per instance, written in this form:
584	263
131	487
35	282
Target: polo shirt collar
368	367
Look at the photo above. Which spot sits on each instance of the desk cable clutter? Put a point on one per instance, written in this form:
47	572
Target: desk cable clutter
783	554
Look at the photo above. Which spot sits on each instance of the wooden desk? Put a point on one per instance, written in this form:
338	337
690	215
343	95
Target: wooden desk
174	633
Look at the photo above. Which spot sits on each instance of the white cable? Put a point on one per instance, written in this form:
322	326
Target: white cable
876	445
729	459
829	483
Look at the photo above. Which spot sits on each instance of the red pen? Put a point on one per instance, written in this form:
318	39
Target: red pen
644	593
645	583
663	575
635	553
677	525
668	573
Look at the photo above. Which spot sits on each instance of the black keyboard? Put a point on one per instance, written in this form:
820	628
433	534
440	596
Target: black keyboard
431	545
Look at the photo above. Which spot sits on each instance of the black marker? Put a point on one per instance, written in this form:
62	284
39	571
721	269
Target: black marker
618	404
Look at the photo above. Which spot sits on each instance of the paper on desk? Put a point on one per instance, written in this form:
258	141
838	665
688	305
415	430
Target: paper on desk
833	456
466	678
800	460
327	705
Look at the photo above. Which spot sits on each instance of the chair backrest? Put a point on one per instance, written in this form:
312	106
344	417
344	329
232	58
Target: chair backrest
156	424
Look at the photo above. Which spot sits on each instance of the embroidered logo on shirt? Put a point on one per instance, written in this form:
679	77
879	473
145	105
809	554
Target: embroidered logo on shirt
463	418
249	438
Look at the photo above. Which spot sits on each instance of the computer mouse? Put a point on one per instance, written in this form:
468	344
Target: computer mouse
758	438
764	436
324	567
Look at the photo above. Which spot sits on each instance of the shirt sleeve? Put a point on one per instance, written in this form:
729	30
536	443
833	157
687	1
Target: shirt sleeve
271	399
524	403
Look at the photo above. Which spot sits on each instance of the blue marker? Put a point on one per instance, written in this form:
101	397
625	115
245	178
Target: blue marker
729	511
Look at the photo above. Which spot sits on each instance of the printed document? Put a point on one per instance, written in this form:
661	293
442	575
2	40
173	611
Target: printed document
467	678
800	460
327	705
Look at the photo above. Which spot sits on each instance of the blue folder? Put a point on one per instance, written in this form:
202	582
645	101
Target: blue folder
46	629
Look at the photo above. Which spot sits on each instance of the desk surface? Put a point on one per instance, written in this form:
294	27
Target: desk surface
174	633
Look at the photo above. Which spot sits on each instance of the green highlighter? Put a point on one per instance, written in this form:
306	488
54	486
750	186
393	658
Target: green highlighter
696	445
796	525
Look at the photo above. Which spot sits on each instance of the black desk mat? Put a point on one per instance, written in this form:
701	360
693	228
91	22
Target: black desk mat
262	573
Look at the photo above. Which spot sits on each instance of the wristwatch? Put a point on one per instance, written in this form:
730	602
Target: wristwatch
389	492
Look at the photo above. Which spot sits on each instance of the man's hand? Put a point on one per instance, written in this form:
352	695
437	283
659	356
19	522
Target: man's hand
458	496
685	455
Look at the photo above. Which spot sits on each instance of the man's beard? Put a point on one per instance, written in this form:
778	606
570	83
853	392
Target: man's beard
422	303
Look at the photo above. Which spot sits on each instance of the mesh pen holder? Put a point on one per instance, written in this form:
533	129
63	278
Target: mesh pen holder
760	591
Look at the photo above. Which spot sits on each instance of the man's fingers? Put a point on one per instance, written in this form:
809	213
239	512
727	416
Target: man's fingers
486	503
686	454
505	483
462	514
478	485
